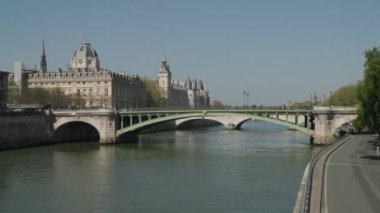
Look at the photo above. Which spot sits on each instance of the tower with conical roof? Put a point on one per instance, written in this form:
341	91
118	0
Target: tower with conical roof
164	78
43	64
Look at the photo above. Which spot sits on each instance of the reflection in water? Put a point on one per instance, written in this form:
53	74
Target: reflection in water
257	169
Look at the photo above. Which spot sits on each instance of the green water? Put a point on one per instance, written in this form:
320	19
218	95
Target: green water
257	169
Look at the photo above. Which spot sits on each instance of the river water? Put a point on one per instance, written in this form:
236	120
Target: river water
257	169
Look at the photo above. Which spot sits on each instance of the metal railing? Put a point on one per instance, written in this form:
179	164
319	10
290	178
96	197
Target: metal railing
336	108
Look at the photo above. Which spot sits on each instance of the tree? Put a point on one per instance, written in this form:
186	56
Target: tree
369	93
344	96
13	92
216	104
58	99
76	101
153	94
39	96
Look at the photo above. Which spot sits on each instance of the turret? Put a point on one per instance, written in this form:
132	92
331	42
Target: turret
164	78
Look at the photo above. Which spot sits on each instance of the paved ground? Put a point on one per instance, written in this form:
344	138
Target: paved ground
352	177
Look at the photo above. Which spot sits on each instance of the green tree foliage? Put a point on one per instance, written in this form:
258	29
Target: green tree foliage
12	83
36	96
58	99
13	92
153	94
216	104
344	96
76	101
369	93
39	96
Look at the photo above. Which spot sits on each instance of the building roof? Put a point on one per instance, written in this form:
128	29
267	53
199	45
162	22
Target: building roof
164	68
85	50
4	72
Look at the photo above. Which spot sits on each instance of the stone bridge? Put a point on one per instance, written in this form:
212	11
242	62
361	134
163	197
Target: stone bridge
109	126
73	125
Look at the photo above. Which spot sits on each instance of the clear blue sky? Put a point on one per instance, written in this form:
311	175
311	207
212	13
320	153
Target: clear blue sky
277	50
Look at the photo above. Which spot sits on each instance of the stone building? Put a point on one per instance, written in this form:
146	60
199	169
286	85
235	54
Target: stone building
86	79
3	90
190	94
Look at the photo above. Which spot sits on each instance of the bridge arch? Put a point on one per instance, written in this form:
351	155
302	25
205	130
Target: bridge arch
77	131
345	128
282	123
329	122
340	121
104	121
189	122
229	122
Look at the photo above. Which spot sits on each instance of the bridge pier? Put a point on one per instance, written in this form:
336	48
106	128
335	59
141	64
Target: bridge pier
107	131
327	122
230	126
324	127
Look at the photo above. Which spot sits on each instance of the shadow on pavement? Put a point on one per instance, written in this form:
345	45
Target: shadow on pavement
371	157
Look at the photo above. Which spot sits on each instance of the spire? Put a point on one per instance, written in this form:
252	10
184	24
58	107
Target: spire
43	64
165	68
188	84
201	86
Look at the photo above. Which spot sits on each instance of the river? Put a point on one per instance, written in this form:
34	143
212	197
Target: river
256	169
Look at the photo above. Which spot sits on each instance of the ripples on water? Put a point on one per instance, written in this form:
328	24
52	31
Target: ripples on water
257	169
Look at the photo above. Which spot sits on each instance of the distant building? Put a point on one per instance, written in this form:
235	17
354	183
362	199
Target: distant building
20	76
98	87
87	80
190	94
3	90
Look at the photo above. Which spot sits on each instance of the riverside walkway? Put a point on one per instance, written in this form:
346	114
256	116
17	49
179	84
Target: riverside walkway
346	177
352	177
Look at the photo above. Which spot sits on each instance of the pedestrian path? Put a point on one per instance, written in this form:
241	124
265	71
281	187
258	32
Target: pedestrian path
352	177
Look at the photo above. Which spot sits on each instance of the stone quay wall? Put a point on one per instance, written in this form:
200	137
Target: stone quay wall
24	129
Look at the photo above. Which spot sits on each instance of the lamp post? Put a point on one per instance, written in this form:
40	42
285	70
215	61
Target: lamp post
248	99
311	101
244	93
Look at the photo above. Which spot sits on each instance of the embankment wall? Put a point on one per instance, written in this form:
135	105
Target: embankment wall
23	129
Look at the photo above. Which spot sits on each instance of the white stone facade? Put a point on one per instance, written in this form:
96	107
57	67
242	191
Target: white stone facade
97	86
190	94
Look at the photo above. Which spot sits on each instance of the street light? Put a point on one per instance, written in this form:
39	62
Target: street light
248	99
244	93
